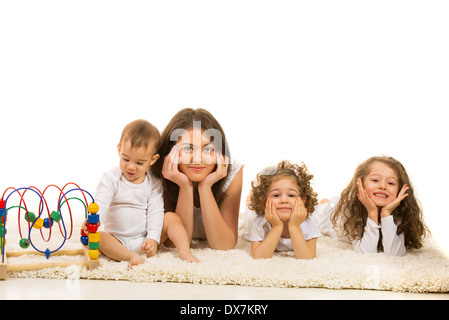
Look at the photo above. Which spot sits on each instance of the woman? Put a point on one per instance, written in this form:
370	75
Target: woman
202	185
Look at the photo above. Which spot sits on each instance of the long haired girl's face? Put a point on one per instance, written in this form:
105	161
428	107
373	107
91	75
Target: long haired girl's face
381	184
196	154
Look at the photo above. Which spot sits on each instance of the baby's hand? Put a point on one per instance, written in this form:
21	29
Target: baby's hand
84	226
149	247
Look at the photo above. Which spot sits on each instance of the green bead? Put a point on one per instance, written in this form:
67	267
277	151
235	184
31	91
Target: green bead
31	215
94	245
55	216
24	243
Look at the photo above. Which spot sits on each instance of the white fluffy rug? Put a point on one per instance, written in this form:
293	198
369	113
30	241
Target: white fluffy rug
337	266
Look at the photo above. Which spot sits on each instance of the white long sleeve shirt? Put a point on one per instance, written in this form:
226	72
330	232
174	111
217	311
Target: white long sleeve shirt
393	244
130	210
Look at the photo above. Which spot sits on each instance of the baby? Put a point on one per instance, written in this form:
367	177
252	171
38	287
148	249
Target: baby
131	201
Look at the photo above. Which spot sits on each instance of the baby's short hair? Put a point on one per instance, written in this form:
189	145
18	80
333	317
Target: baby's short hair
141	133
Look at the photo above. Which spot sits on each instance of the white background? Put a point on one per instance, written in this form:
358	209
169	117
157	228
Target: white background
330	83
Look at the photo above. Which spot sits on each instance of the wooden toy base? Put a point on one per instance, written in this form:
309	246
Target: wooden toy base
88	262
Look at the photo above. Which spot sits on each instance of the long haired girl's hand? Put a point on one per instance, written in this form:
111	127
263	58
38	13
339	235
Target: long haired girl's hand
370	206
389	208
170	169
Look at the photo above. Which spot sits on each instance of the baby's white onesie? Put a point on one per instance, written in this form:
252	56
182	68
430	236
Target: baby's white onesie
130	211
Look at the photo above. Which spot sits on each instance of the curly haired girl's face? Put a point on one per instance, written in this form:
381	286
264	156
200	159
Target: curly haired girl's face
284	192
381	184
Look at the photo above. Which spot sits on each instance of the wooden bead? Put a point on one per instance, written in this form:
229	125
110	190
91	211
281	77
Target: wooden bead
94	237
92	228
93	218
94	245
93	208
93	254
84	240
24	243
39	223
48	223
31	215
55	216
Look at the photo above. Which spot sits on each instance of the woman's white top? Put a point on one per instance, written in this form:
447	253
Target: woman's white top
198	225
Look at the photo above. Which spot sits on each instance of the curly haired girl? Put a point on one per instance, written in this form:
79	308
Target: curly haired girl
376	211
282	199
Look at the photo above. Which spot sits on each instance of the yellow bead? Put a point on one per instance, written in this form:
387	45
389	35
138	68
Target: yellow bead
93	254
39	223
93	208
94	237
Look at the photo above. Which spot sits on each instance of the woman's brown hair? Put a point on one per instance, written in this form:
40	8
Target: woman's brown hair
407	216
185	119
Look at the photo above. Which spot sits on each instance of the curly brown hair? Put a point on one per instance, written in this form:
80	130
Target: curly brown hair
284	169
407	216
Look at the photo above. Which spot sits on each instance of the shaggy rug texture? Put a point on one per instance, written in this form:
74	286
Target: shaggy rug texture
337	266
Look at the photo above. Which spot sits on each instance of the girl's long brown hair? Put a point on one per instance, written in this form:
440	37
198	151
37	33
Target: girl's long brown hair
407	216
184	119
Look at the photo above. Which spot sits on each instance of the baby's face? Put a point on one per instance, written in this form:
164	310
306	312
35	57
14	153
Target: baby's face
284	192
381	184
134	163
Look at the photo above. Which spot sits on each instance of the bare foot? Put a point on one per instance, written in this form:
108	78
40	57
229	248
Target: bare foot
188	257
136	260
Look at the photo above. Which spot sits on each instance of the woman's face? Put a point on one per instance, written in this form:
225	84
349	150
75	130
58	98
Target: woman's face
197	155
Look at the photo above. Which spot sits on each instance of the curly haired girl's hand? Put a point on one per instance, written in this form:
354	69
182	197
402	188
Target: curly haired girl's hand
389	208
271	214
299	214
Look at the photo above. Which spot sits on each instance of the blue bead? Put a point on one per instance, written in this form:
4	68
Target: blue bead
47	223
47	253
84	240
93	218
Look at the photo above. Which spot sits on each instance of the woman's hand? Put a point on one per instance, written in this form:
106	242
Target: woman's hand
389	208
299	214
370	206
170	169
220	172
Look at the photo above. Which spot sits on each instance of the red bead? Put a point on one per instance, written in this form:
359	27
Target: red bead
92	228
83	233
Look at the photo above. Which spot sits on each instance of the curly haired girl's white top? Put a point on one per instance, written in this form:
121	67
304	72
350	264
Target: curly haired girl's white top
257	228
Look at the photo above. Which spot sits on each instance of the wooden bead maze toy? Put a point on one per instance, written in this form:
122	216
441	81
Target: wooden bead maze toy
47	219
